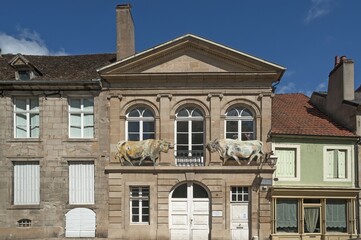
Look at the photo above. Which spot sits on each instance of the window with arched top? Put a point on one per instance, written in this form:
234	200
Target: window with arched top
189	137
240	124
140	124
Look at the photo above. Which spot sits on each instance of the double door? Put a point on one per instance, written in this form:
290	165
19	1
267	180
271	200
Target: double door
189	212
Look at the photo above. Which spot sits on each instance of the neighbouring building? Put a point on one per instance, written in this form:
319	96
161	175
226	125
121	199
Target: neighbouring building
315	191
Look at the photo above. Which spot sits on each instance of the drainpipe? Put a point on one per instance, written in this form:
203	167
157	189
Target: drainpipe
357	185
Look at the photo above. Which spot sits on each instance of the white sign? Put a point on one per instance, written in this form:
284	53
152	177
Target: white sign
217	213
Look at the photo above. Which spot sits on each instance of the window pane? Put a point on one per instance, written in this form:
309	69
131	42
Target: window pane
232	126
286	215
133	137
134	113
182	138
75	120
135	192
182	126
75	104
133	127
145	218
148	136
232	112
88	120
247	136
246	112
21	124
75	132
312	220
147	113
148	126
199	192
34	125
197	138
197	126
336	215
231	135
135	218
183	113
20	104
88	104
180	192
34	104
88	132
197	113
247	126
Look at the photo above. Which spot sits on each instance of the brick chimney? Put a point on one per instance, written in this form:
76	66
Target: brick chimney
125	31
341	80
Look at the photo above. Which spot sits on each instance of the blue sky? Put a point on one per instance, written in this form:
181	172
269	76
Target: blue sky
304	36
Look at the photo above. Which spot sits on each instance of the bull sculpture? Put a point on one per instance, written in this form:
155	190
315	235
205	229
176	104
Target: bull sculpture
236	149
140	150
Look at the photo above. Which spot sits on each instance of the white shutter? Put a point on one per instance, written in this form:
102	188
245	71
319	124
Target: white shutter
80	222
286	164
81	183
341	164
330	158
26	183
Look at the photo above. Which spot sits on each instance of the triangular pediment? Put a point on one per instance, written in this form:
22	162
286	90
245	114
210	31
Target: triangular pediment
190	54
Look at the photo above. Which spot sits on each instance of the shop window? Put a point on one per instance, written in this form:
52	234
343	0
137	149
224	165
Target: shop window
140	124
81	118
26	117
139	205
336	215
287	215
240	124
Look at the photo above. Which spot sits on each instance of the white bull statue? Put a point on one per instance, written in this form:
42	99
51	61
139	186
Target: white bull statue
236	149
140	150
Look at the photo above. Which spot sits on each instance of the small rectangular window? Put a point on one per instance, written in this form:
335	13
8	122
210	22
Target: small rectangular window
24	75
239	194
81	118
139	205
26	117
337	163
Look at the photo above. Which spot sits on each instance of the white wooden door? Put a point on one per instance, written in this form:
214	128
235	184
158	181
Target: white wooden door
189	213
239	221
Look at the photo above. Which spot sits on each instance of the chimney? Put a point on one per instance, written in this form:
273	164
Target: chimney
125	32
341	80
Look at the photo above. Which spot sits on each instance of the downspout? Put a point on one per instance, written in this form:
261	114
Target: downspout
357	185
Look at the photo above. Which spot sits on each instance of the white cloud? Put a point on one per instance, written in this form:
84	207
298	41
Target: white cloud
318	9
290	87
321	87
27	42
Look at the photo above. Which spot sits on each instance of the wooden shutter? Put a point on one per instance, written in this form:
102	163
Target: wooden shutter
26	183
81	183
341	163
286	164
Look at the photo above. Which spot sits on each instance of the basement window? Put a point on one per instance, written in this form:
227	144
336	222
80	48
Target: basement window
24	223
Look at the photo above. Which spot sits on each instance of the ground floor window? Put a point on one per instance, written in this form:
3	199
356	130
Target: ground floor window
139	204
312	216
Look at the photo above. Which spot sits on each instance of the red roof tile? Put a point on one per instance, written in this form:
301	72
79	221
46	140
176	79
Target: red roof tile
293	114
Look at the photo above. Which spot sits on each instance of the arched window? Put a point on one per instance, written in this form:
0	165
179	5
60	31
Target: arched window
189	136
139	124
240	124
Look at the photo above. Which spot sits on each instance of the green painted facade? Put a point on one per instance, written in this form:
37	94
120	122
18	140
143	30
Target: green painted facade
312	167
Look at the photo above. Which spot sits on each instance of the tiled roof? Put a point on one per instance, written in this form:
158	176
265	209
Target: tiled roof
293	114
66	68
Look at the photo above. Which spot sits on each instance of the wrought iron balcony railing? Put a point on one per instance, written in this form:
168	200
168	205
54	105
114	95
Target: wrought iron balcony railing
189	158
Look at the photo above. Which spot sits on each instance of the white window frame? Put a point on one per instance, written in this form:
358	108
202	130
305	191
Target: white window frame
81	182
82	112
239	120
139	198
26	183
141	119
27	112
297	148
189	119
349	163
240	193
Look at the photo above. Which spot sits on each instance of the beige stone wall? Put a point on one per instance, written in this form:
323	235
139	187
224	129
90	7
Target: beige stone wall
53	150
163	180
